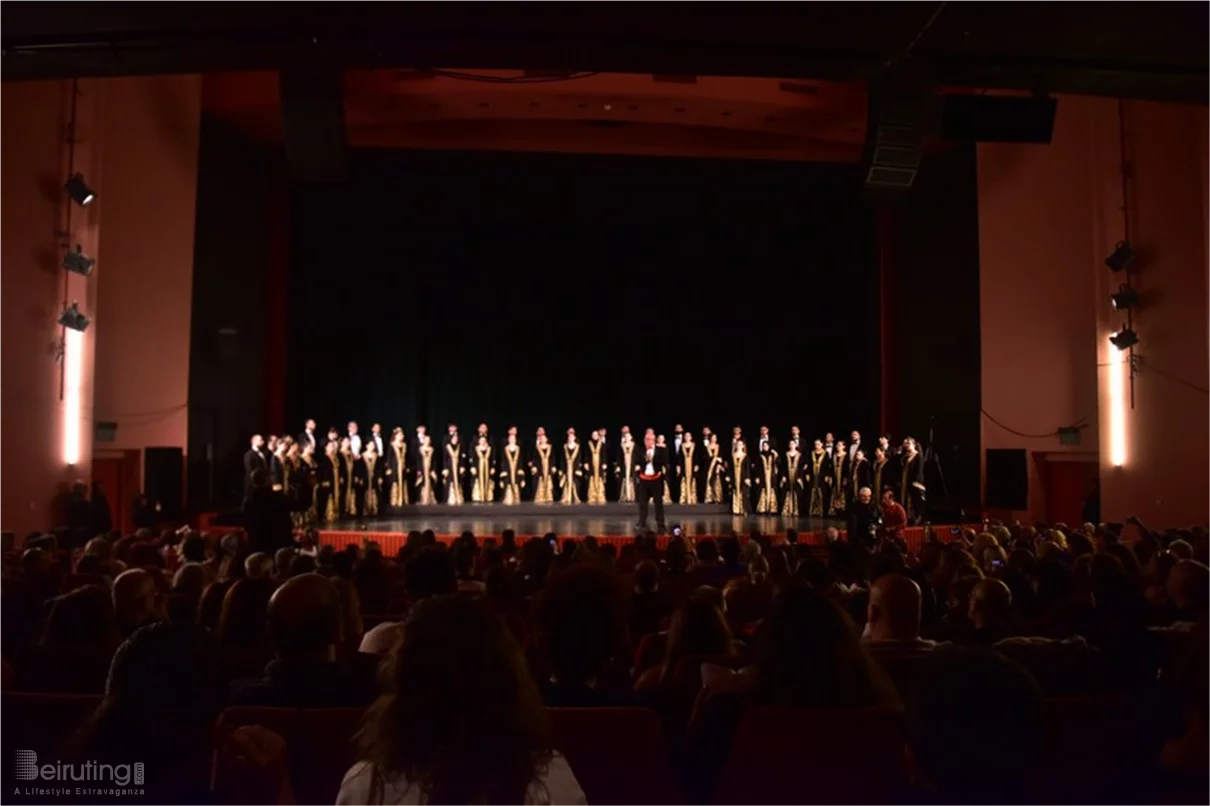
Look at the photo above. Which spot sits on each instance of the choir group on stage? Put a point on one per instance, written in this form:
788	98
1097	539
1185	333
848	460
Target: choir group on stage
352	476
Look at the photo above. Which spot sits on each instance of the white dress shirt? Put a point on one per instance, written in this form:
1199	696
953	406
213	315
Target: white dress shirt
355	444
650	468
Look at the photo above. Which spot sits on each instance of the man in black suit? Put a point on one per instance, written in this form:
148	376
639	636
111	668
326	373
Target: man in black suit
307	437
254	460
380	445
267	515
653	464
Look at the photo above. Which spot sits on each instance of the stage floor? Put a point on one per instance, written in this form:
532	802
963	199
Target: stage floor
606	520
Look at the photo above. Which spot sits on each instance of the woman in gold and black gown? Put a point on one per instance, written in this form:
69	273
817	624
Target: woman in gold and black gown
716	471
327	494
512	471
767	480
395	477
840	467
571	470
859	474
543	470
741	479
687	470
305	476
791	481
483	472
453	470
348	489
595	466
818	473
369	481
625	470
426	472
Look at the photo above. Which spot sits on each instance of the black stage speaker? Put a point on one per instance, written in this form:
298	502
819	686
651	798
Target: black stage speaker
164	480
899	114
992	119
1007	477
312	104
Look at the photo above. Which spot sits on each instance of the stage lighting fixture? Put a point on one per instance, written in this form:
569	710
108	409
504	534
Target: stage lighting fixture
1121	258
78	262
1125	339
1126	298
80	192
72	319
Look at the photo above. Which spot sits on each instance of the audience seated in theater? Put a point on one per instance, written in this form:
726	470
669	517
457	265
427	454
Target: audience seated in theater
808	656
748	597
698	628
893	617
429	573
649	605
159	707
464	567
241	623
137	600
975	728
306	629
1188	586
581	630
990	612
459	719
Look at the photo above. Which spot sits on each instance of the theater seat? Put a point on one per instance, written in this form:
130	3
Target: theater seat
319	742
618	754
44	723
784	755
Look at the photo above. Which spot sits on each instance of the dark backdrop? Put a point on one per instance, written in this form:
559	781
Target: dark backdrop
583	291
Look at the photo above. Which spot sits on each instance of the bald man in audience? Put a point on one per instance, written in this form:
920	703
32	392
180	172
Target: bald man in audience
306	628
1189	589
893	616
990	611
258	566
137	600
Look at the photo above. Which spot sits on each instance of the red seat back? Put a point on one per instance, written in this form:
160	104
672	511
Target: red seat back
44	723
785	755
319	742
617	754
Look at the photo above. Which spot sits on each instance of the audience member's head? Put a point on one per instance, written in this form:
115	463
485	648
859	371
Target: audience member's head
189	581
258	566
893	613
282	558
305	619
241	622
697	628
809	656
137	600
456	679
580	624
990	603
193	548
430	573
163	693
646	577
975	727
1189	589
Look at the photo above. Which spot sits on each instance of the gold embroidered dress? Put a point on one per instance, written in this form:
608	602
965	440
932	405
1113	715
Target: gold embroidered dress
766	504
715	469
626	494
739	479
425	494
544	476
481	484
819	461
688	474
571	473
512	477
596	472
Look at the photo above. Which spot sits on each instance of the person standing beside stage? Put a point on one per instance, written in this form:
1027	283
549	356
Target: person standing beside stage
653	465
